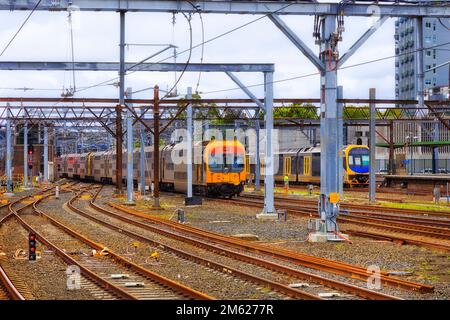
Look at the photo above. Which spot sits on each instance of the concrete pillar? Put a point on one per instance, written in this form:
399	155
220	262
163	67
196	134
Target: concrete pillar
372	128
25	155
46	177
269	207
129	150
189	145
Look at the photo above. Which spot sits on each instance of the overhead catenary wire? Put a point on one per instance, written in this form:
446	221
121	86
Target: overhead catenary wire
318	73
197	46
20	28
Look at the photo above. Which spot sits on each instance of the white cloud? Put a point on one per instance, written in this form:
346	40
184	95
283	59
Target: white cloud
46	38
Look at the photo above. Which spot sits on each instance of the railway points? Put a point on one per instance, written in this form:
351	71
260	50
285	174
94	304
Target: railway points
178	187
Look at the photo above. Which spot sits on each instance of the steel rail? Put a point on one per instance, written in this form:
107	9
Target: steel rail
309	213
295	293
11	289
286	255
345	287
368	208
378	222
177	287
106	285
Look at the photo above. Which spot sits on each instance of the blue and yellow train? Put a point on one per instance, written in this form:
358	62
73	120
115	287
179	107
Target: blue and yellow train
302	165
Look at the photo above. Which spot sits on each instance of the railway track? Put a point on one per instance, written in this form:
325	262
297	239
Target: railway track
227	270
313	262
238	249
139	284
12	288
420	226
9	290
429	234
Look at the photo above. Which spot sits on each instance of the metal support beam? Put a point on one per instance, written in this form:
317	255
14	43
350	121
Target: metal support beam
142	158
372	147
119	142
25	155
114	66
8	154
340	140
328	129
258	157
419	62
46	177
156	147
297	41
189	144
361	40
232	7
119	139
257	127
130	180
435	152
269	163
391	148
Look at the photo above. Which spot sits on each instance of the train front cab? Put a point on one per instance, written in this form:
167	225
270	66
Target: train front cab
356	165
225	168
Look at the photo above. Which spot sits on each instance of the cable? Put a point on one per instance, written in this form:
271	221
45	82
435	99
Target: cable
185	67
72	49
318	73
20	28
440	21
202	52
205	42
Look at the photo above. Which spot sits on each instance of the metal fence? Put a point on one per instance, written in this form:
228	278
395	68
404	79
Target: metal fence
418	166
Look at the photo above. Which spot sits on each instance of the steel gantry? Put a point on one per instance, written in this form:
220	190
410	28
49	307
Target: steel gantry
327	61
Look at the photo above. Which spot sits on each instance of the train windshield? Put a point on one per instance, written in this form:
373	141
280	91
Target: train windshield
358	160
226	162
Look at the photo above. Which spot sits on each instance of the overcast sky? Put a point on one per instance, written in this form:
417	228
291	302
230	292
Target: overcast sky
46	37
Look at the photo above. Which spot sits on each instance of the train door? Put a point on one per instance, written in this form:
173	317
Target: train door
247	167
307	166
287	166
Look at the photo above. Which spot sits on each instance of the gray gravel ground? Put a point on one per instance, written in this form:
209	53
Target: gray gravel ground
45	278
203	279
427	266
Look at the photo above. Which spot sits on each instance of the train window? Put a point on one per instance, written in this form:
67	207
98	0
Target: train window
365	160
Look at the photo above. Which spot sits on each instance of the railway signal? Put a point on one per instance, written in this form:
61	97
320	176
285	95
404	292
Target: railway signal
32	246
30	157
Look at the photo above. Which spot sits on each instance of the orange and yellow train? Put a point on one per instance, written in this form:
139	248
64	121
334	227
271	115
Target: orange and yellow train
218	167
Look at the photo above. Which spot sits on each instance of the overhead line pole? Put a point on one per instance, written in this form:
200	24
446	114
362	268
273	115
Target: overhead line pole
119	139
156	147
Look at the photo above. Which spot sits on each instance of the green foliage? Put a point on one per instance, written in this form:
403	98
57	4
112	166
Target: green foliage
303	111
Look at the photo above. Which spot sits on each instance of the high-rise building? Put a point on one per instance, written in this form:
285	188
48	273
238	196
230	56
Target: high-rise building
435	33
